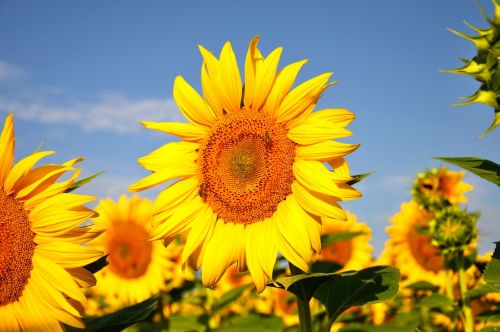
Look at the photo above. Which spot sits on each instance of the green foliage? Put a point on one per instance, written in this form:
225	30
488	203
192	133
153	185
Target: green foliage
436	300
228	297
486	169
492	271
184	323
338	237
251	323
123	318
423	285
358	177
80	183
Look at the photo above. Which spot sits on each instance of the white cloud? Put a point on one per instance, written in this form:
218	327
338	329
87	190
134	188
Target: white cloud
396	182
9	71
113	113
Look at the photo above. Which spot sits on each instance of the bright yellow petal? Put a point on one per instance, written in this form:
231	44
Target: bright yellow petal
230	79
209	87
7	143
175	194
171	171
202	224
40	178
252	60
192	105
324	151
282	84
82	276
171	152
63	201
313	131
21	168
338	116
317	204
299	99
67	254
223	250
186	131
57	222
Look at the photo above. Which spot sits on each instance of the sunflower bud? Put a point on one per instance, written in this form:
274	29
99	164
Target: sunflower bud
453	229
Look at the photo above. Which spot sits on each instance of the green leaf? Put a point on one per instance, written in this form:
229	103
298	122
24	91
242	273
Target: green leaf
252	323
372	285
183	323
486	169
489	316
123	318
358	177
338	237
436	301
423	285
492	272
490	329
325	267
480	291
80	183
97	265
302	285
228	297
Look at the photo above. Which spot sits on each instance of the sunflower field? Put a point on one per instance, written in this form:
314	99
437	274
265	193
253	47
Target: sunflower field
247	229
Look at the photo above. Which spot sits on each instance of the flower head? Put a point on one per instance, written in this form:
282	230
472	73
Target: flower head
252	166
42	258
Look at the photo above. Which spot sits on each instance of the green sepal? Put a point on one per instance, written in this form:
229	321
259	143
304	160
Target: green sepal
494	124
80	183
358	177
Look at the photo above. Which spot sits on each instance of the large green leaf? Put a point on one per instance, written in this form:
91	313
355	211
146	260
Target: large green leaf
436	301
252	323
492	272
480	290
303	285
486	169
123	318
342	291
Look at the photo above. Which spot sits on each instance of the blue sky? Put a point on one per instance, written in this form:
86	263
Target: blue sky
79	75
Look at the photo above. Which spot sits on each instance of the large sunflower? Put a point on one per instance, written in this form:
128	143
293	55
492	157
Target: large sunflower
137	268
351	253
41	251
251	163
411	250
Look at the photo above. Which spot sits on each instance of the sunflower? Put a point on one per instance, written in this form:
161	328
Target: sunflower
411	249
353	253
41	251
252	171
437	188
137	268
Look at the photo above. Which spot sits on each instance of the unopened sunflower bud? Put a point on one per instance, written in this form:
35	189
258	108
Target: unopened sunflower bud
453	229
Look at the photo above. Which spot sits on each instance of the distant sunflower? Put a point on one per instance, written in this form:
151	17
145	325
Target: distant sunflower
41	251
251	163
137	268
411	250
353	253
436	188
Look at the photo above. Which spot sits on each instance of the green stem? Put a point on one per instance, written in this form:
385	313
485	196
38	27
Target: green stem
449	291
468	319
426	323
302	304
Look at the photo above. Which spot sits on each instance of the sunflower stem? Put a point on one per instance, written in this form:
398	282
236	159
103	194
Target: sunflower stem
468	320
305	320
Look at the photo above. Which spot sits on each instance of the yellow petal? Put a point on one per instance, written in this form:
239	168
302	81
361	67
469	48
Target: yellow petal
338	116
324	151
264	78
40	178
175	194
229	79
178	169
317	204
180	221
82	276
316	177
192	105
57	222
67	254
202	224
222	251
7	143
282	84
312	132
209	87
63	201
21	168
299	99
251	62
186	131
168	153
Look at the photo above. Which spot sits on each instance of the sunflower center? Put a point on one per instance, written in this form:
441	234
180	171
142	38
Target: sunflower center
338	252
16	249
424	252
246	166
129	250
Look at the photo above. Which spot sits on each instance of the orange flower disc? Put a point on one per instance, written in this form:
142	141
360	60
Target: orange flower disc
246	166
16	249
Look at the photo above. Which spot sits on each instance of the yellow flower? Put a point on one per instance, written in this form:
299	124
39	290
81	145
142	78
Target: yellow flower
351	254
41	251
410	250
137	268
251	166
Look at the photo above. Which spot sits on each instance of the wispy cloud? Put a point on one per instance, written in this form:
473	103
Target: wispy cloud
396	182
9	71
113	113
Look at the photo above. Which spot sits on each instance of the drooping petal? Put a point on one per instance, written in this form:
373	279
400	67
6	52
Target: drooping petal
192	105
